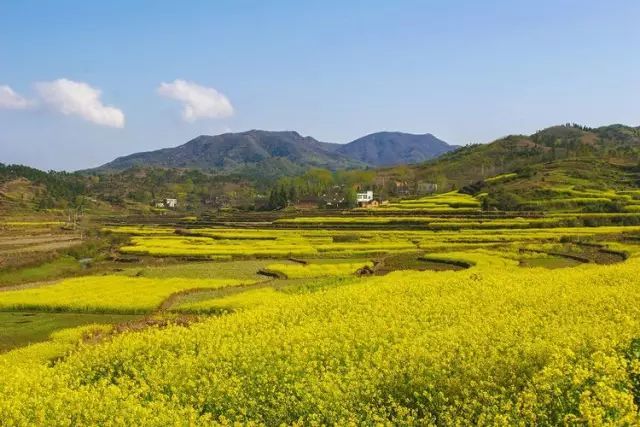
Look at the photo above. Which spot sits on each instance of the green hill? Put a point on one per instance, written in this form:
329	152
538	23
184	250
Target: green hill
233	152
614	146
259	154
557	168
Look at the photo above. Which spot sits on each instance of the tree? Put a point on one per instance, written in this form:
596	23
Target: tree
293	194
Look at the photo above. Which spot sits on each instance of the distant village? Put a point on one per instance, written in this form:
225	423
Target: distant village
333	198
168	203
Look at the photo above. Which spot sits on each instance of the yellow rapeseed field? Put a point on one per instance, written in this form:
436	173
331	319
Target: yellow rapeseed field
240	301
277	243
484	346
106	294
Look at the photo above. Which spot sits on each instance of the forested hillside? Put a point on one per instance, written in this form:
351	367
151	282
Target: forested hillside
617	145
26	187
515	172
263	154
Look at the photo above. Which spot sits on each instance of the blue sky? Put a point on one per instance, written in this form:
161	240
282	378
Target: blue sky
466	71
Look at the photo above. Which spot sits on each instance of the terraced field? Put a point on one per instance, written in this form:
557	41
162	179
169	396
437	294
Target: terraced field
226	244
484	345
472	319
28	242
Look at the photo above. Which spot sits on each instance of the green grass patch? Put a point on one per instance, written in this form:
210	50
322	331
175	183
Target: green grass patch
60	267
242	269
18	329
549	262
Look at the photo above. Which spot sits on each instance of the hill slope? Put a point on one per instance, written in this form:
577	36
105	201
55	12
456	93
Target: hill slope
616	145
260	153
517	172
395	148
231	152
23	188
560	162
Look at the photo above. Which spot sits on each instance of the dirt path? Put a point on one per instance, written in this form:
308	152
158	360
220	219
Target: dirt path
29	285
32	240
49	246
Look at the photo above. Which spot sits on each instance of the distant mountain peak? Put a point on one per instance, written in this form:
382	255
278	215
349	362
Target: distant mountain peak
389	148
287	150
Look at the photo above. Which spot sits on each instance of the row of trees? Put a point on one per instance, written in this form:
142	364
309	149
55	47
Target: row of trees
199	190
50	189
322	187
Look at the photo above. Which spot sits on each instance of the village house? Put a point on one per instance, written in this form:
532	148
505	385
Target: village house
367	200
364	198
167	203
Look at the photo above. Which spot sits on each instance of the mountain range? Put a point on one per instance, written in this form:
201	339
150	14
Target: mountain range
286	153
514	170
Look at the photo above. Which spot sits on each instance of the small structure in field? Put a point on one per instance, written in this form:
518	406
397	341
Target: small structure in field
171	203
375	203
365	199
167	203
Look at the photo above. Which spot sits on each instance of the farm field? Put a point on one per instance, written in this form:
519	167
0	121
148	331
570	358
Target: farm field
360	214
476	346
472	319
20	328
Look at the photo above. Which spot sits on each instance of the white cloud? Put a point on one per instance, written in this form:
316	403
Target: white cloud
79	99
199	101
12	101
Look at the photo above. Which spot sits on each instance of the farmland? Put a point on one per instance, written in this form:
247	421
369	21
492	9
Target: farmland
425	311
290	214
494	347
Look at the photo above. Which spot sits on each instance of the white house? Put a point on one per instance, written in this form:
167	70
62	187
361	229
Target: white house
365	197
170	203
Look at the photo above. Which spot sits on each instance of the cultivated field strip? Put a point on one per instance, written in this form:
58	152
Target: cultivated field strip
106	294
485	346
229	243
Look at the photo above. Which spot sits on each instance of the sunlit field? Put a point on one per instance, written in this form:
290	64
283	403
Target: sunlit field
483	346
348	213
278	243
361	319
111	294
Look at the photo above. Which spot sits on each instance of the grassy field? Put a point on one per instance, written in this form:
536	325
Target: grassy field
49	270
239	269
21	328
550	262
